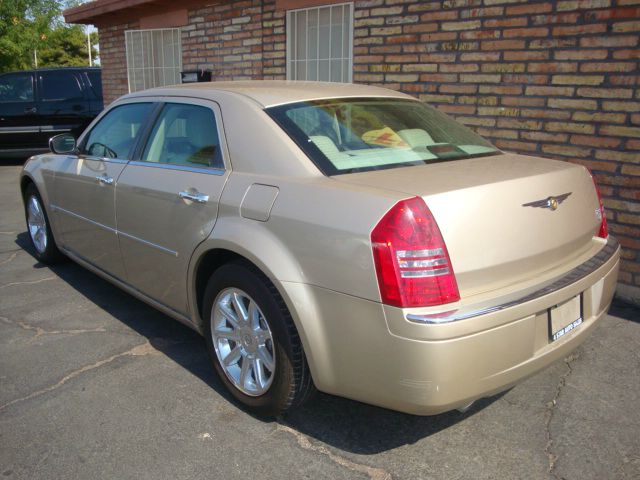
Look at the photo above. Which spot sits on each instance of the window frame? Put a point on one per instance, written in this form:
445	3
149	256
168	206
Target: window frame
129	57
41	81
158	117
142	132
291	41
136	158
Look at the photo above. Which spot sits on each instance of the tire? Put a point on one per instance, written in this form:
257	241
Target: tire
236	345
39	228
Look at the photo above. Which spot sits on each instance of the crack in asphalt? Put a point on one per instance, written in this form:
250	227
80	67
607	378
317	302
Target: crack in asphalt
550	410
138	351
8	233
304	443
41	331
14	255
28	282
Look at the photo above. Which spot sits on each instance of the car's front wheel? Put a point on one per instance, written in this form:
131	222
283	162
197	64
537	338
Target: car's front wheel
253	342
39	228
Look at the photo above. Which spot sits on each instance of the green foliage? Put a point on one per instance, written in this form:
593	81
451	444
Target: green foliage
36	25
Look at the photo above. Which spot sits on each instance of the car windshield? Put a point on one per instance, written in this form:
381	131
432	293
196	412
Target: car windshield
355	135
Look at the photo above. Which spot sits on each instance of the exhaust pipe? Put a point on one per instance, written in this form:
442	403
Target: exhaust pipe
466	407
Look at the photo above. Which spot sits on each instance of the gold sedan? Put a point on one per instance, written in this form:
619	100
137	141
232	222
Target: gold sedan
339	237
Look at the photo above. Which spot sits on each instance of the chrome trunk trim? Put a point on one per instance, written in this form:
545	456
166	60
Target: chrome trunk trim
509	301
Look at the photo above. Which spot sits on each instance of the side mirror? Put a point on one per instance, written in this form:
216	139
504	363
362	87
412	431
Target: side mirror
62	144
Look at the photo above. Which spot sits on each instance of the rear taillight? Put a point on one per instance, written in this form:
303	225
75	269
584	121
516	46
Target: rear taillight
603	230
411	259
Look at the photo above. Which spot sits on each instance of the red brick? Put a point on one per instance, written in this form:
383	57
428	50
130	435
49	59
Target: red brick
604	92
506	22
593	141
526	55
612	41
579	29
565	67
626	54
509	145
458	88
581	55
526	32
502	44
524	9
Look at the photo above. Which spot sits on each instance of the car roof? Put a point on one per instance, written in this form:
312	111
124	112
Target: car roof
269	93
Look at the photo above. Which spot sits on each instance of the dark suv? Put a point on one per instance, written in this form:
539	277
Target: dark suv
38	104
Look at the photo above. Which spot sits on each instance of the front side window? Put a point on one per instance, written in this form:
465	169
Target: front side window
115	134
320	43
59	86
16	88
185	135
154	58
354	135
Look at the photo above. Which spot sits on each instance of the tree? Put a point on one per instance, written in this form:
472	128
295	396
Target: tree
28	26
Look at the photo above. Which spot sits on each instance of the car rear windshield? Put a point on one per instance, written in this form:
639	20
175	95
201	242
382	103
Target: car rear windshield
363	134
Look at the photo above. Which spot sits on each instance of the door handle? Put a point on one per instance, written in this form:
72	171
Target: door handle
30	110
105	179
194	197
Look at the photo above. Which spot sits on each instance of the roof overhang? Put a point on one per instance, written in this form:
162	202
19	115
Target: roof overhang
109	12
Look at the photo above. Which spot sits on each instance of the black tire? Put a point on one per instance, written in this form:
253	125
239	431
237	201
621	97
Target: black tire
291	384
50	254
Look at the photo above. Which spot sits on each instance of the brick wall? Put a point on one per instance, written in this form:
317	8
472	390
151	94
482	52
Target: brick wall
113	59
236	41
553	78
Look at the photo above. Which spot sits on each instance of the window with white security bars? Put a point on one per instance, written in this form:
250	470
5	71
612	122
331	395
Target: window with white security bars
154	58
320	43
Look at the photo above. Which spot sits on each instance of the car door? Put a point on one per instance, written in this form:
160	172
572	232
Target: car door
167	201
84	197
19	123
62	105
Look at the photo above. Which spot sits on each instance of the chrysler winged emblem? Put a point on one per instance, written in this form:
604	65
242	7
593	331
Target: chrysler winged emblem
549	202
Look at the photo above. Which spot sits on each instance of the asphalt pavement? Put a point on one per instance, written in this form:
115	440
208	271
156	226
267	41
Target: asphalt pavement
96	385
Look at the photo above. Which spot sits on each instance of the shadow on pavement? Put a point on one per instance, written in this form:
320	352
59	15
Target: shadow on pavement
344	424
622	309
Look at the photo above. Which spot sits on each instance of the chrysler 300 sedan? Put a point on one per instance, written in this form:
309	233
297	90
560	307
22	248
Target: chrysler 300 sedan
336	237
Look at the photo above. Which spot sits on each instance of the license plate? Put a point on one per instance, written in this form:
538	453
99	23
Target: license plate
565	317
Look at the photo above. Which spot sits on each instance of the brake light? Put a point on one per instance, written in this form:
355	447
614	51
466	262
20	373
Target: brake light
603	229
411	258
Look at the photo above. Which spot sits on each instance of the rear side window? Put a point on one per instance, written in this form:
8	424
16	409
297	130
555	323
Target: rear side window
114	136
17	87
185	135
59	86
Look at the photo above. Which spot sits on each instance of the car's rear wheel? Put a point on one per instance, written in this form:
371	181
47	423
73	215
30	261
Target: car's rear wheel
253	342
39	228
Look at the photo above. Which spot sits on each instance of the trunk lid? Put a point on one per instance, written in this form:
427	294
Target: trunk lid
491	212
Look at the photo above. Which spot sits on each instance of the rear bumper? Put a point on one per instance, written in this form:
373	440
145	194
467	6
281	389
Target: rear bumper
373	353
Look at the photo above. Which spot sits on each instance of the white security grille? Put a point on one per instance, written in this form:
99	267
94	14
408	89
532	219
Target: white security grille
154	58
320	43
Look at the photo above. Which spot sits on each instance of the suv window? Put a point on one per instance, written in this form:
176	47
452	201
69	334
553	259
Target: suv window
95	79
60	86
115	134
16	88
185	135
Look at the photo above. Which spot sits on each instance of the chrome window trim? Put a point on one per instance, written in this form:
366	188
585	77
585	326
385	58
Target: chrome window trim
91	158
574	275
185	168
